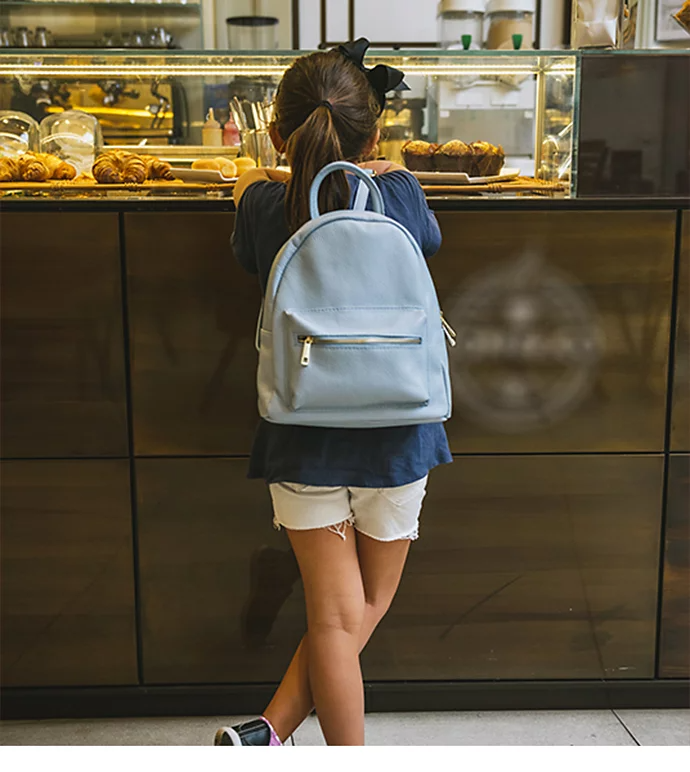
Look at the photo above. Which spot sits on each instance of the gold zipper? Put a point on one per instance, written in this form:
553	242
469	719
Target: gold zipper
450	333
308	341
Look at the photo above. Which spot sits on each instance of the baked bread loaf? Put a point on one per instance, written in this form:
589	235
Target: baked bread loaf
454	156
487	159
157	169
419	155
683	16
118	166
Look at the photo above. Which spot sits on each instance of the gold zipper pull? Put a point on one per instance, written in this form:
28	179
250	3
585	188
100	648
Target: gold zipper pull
449	331
306	350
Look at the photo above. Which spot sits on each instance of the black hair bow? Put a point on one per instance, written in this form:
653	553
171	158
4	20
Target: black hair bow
381	78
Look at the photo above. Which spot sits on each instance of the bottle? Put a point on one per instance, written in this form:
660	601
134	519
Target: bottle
212	134
231	134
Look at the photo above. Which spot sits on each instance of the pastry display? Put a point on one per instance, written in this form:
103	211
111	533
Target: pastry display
454	156
157	169
35	167
478	159
118	166
419	155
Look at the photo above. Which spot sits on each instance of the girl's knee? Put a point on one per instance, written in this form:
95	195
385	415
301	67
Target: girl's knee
347	618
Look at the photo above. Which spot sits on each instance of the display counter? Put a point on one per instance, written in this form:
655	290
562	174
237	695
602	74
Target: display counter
552	569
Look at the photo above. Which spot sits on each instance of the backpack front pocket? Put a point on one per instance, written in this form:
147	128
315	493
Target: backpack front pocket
357	358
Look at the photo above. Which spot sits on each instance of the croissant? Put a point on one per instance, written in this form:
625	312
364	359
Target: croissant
32	169
9	170
157	169
117	166
57	168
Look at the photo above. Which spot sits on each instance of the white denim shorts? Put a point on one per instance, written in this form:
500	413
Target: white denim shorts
384	514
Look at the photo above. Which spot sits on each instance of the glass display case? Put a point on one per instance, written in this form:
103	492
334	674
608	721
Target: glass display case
522	101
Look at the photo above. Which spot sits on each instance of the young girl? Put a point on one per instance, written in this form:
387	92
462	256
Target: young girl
349	499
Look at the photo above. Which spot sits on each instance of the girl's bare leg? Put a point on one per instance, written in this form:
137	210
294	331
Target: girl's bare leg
380	566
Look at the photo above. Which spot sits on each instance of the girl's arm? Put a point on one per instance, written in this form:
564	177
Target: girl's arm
257	175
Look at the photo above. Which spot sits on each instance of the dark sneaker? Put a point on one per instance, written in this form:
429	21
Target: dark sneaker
255	732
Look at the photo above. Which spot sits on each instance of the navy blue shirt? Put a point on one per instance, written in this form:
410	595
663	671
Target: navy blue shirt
365	458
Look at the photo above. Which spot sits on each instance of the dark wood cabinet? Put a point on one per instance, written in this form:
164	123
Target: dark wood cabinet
63	362
202	527
526	568
534	567
67	574
563	323
193	317
674	642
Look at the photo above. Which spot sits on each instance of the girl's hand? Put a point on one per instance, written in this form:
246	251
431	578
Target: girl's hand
257	175
381	167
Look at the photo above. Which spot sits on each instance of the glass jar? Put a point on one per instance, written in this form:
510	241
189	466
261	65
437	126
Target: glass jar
461	23
252	33
18	133
511	24
73	136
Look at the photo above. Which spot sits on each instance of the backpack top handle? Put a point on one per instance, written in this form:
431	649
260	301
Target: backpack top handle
376	197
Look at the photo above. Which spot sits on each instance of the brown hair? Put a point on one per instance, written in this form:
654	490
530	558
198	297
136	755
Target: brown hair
316	134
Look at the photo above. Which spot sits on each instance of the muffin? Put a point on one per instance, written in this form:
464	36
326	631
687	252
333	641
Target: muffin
454	156
419	155
487	159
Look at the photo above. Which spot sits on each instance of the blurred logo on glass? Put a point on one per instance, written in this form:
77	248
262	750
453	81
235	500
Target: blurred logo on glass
528	343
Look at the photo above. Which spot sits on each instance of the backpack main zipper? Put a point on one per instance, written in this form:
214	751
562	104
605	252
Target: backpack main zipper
308	341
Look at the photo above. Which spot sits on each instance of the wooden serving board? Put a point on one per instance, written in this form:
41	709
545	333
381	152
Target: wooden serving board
66	186
517	186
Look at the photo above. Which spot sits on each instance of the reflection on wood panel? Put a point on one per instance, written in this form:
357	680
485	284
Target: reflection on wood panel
529	568
680	416
62	352
67	574
539	567
563	323
193	317
202	527
674	660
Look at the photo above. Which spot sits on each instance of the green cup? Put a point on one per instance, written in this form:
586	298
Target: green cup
517	42
466	41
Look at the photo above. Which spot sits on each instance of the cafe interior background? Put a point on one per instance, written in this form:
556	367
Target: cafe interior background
553	564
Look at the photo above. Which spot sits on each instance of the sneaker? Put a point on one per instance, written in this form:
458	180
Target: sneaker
255	732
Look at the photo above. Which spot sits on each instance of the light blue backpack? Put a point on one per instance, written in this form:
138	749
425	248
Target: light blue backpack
351	334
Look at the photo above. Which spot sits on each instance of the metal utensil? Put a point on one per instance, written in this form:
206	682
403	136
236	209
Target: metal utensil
238	114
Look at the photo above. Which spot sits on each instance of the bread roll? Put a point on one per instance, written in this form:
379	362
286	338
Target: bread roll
227	167
32	169
244	164
209	164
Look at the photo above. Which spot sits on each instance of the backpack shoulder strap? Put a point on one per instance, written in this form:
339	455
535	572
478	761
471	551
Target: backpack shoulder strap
361	197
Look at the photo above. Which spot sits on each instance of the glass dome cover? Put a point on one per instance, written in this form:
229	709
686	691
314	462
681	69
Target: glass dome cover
18	133
74	136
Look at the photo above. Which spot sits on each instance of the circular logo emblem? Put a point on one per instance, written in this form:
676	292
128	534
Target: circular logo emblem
528	340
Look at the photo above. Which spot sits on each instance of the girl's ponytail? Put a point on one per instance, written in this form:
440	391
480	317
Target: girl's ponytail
325	110
310	147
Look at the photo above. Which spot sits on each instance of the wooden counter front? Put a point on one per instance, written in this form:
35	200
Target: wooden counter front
133	348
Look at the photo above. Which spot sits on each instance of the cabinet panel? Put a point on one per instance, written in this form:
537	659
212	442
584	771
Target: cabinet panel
204	533
193	318
680	415
529	568
674	655
539	567
67	574
563	324
63	386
